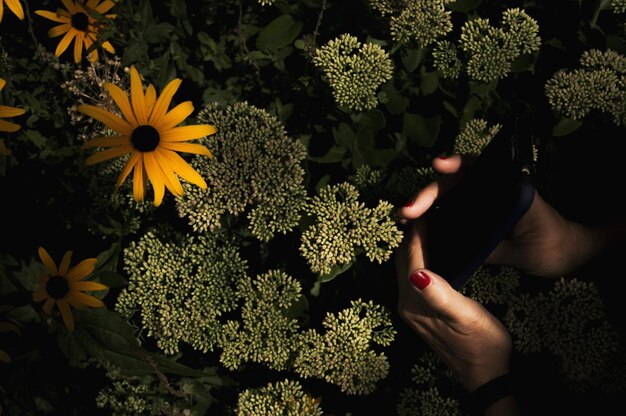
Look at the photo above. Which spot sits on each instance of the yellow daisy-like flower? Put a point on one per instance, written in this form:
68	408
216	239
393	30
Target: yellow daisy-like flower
6	111
79	24
149	134
15	6
64	286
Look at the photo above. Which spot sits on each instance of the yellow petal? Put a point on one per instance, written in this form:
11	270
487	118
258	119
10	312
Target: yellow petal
47	307
71	299
107	141
9	127
65	42
132	161
92	51
47	261
109	119
88	300
59	30
175	116
2	83
6	111
121	99
163	103
70	6
91	4
78	46
108	47
184	133
111	153
81	270
3	149
53	16
150	98
16	7
65	263
183	169
156	177
87	285
187	148
171	180
105	6
139	181
137	98
66	313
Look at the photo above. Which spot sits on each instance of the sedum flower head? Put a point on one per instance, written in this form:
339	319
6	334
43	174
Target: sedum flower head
285	398
446	59
354	70
427	402
385	7
148	136
7	126
64	286
344	354
422	22
569	322
492	50
181	285
15	6
343	227
138	396
77	23
256	166
618	6
492	284
266	333
600	84
474	137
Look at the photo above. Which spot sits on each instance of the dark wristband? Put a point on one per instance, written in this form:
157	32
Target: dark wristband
478	401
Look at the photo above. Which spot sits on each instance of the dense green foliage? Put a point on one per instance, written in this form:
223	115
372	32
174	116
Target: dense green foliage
273	290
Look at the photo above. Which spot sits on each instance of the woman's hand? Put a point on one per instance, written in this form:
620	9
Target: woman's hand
472	341
542	243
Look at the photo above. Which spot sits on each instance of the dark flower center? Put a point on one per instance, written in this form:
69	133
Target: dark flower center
145	138
57	287
80	21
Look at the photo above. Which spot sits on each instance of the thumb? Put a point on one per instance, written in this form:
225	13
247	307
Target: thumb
437	293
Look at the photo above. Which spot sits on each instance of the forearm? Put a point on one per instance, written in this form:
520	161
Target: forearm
507	406
593	240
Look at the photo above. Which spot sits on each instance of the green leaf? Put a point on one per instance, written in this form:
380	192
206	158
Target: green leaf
158	33
344	136
105	336
429	81
112	279
336	270
411	58
335	154
279	33
396	103
373	119
423	131
566	126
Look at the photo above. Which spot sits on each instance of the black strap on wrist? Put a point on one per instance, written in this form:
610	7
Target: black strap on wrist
478	401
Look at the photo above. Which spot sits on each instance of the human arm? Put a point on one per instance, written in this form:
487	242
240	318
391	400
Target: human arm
472	341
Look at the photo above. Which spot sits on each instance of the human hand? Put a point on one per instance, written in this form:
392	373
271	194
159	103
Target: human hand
473	342
542	243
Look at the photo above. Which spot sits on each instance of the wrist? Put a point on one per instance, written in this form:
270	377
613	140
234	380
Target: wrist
493	398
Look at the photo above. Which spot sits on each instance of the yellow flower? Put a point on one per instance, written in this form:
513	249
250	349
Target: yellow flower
15	6
6	111
77	21
63	286
147	132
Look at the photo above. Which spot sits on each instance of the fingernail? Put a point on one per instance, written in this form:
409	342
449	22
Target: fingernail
420	279
443	157
409	204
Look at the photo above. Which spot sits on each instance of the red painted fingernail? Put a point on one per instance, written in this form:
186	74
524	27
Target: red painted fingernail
420	279
409	204
443	157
